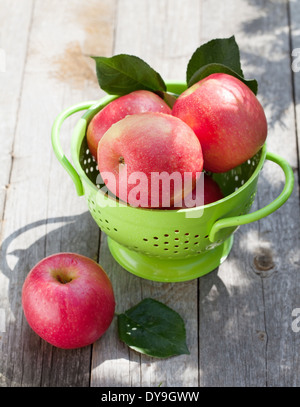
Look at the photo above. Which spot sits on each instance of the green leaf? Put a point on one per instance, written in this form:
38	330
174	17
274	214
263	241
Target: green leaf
219	68
122	74
154	329
224	51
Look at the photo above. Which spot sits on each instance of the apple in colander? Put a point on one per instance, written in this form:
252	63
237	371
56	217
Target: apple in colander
150	159
210	190
227	118
138	101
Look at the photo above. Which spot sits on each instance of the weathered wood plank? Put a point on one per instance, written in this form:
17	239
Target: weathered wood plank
246	311
13	46
281	293
280	236
43	214
290	366
294	16
279	233
164	34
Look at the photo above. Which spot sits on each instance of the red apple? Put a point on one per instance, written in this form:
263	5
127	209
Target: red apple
212	193
140	149
227	118
138	101
68	300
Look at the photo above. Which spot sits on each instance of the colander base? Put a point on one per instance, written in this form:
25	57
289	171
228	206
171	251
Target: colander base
169	270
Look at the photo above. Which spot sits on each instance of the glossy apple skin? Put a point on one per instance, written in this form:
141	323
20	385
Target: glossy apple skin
150	143
68	300
212	193
138	101
227	118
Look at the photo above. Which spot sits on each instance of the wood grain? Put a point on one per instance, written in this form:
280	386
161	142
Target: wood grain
294	23
13	45
250	298
43	214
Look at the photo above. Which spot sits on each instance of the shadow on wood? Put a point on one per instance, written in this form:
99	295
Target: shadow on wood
27	360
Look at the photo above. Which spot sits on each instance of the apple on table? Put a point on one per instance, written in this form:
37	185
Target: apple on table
68	300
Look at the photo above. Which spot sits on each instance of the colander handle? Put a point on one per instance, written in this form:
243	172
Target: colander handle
56	143
263	212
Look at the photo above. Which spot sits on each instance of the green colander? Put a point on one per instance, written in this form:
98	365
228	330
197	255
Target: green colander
167	245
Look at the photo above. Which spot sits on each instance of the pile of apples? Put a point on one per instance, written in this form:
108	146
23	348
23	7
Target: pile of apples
213	126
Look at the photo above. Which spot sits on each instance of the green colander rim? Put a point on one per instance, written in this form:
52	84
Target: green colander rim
79	134
79	176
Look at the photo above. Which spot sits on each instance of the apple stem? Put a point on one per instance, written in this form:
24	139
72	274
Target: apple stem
62	280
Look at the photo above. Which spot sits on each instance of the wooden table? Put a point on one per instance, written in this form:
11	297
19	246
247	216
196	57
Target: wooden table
239	317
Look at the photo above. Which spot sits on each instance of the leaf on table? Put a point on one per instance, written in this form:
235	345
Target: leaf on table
153	329
209	69
122	74
224	51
